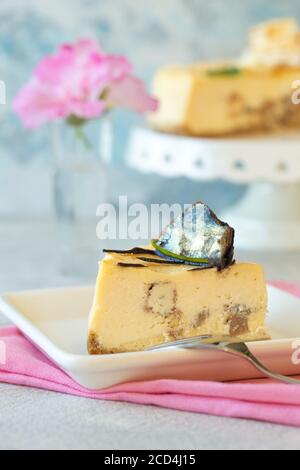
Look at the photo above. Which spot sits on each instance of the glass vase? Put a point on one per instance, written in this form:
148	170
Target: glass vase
82	156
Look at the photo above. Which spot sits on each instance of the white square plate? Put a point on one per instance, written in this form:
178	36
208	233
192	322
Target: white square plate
56	321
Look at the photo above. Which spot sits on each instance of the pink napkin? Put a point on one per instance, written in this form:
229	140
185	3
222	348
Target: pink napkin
262	400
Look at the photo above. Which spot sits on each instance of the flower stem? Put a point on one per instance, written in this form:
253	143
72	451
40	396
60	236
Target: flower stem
78	126
81	135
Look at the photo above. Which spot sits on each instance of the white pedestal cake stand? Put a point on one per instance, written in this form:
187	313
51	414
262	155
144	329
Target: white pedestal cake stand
268	217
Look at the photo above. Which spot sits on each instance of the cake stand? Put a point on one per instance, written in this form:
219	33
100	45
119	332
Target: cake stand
268	217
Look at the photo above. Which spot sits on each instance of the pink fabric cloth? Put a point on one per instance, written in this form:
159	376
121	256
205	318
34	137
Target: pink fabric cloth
261	400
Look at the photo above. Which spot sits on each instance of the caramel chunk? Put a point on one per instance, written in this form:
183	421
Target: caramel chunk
161	299
239	325
201	318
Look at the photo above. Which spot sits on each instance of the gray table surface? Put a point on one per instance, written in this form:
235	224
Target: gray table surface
35	419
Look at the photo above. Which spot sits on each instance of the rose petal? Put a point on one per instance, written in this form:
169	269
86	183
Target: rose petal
130	93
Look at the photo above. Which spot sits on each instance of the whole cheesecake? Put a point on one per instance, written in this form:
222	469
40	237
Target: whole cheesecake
250	94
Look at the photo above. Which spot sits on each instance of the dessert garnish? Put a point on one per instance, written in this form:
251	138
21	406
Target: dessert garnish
133	251
197	237
273	44
224	71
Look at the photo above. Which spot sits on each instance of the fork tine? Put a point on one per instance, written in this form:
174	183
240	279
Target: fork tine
180	342
238	348
194	340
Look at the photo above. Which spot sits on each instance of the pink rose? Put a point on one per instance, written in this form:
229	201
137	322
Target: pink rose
80	80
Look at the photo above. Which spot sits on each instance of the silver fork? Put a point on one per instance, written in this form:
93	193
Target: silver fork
238	349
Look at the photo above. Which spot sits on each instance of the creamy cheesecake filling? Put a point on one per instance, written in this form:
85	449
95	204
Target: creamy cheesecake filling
141	305
270	115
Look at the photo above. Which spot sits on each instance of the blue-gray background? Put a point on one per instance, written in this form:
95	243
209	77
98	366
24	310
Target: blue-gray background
151	33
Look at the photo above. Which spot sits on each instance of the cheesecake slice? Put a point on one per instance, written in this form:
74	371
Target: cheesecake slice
142	301
251	94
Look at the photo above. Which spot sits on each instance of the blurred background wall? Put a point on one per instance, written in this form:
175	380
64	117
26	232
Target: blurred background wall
151	33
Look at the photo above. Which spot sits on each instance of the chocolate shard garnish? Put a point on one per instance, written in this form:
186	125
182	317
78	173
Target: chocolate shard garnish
131	265
159	261
133	251
142	251
197	237
173	261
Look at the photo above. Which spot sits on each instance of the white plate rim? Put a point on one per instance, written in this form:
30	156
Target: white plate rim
71	361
